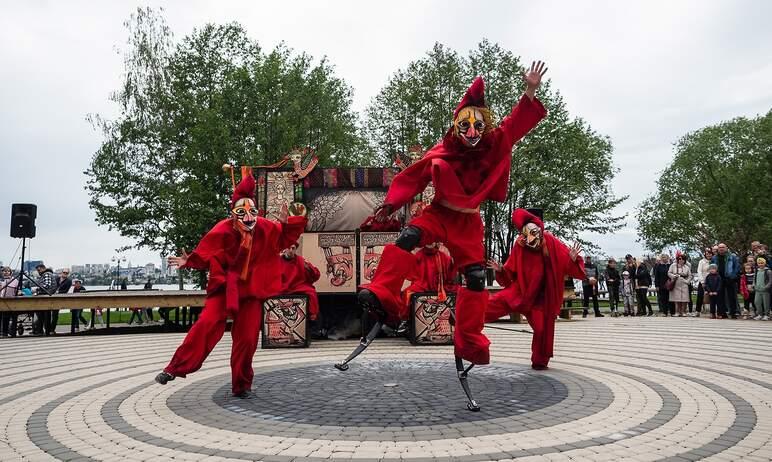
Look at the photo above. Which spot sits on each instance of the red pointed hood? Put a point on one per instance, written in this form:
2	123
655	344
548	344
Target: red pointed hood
245	188
474	96
520	217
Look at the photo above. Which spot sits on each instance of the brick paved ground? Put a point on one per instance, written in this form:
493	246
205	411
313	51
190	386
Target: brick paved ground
619	389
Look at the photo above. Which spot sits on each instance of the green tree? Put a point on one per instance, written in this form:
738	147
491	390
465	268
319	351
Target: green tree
563	166
717	189
188	107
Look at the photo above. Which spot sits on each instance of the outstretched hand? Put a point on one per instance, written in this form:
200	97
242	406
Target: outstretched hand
383	213
494	265
283	214
178	261
533	77
575	250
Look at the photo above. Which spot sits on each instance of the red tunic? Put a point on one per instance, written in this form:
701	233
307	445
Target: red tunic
298	277
426	273
534	287
219	251
464	177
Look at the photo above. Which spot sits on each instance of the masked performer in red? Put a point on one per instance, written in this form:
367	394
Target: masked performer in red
242	256
433	271
533	278
471	164
298	277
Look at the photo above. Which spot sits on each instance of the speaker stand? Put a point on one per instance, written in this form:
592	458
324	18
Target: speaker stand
23	274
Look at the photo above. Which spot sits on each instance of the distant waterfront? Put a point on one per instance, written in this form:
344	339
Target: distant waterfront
188	286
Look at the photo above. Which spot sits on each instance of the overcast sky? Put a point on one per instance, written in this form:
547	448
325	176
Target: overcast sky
643	73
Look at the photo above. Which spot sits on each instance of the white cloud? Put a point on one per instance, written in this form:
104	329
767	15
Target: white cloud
644	73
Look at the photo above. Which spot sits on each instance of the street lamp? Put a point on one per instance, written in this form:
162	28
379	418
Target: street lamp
118	260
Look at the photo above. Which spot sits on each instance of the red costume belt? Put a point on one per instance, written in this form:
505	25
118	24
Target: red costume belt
450	206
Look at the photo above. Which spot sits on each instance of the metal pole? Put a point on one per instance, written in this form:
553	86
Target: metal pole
21	271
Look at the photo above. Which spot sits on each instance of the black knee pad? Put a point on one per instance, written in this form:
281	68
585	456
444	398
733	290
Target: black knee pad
409	238
475	277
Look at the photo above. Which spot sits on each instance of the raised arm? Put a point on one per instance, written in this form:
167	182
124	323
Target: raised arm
404	187
528	111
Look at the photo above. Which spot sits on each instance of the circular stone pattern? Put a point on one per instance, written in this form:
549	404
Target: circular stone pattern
426	393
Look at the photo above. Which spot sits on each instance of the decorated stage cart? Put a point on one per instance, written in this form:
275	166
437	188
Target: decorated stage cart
336	202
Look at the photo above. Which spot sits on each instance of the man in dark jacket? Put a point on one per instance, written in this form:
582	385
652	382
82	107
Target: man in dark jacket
660	278
643	282
46	286
729	269
590	288
612	282
63	284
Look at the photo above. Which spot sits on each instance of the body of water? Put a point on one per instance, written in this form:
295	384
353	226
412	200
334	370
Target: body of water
141	286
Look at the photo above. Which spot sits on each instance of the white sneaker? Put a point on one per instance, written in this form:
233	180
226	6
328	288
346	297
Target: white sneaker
757	318
765	318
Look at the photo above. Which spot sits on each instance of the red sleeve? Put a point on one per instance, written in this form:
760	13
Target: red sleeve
210	246
508	273
523	118
409	183
503	278
312	272
574	269
291	231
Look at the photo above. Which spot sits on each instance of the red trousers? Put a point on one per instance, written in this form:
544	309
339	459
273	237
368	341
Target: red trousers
208	330
543	325
462	234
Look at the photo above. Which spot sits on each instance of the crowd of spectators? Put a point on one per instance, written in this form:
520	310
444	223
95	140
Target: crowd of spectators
720	279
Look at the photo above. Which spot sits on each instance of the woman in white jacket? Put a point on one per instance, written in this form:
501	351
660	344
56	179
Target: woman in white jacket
680	273
702	272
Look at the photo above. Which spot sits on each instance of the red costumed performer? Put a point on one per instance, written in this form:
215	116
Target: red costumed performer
298	277
433	271
242	256
533	278
471	164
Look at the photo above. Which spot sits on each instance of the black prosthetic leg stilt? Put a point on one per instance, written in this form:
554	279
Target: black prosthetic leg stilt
370	307
462	377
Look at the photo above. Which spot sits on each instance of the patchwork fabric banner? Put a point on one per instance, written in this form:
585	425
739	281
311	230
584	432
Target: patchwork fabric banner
349	178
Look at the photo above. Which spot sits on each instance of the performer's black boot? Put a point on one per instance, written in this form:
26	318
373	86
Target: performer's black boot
371	308
462	377
164	377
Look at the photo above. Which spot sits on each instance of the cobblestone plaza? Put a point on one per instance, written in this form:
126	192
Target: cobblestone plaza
618	389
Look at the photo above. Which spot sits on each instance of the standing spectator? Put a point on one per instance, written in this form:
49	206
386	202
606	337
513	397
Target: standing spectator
763	251
46	286
631	266
612	282
590	288
628	293
702	272
661	277
713	288
8	286
680	273
149	310
63	285
602	281
762	283
643	282
746	289
77	315
728	269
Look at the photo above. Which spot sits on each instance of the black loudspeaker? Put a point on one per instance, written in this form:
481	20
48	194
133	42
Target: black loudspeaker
23	220
538	212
